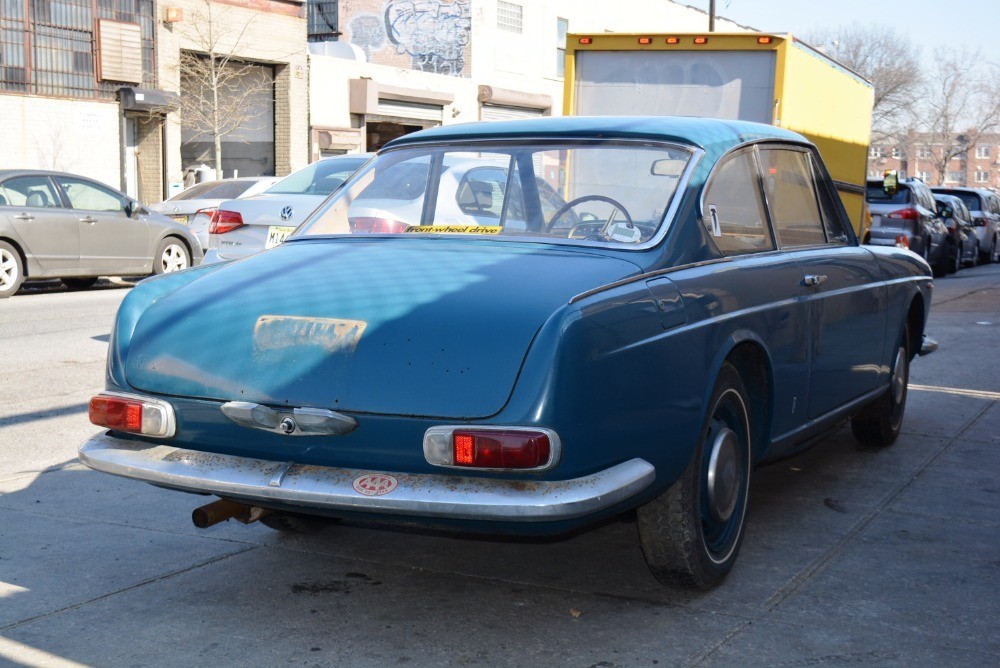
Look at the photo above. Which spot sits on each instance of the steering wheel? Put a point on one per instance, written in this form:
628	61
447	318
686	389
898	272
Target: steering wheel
590	198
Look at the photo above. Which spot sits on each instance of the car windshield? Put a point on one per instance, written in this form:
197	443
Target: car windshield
877	195
319	178
600	192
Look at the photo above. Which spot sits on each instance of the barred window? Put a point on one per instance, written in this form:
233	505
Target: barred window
47	46
324	20
510	17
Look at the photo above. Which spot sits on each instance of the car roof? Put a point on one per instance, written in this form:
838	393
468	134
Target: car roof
706	133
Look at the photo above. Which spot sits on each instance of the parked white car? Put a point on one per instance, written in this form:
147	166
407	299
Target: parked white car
244	226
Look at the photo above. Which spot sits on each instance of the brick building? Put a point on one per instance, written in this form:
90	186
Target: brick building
919	154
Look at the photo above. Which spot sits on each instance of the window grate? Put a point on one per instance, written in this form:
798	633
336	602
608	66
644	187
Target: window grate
48	47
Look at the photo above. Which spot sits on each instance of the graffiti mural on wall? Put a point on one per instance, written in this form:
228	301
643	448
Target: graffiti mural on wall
433	34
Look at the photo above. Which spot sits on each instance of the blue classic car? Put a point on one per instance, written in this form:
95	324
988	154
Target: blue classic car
525	327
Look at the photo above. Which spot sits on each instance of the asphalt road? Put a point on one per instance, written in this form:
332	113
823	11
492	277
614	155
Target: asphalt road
854	556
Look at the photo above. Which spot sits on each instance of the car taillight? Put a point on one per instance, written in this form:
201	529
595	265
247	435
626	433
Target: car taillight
514	448
209	212
136	415
902	242
366	225
951	228
905	214
225	221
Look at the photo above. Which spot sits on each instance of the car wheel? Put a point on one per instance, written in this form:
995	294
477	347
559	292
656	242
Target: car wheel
879	422
11	270
956	260
79	283
295	522
974	262
171	255
691	534
995	251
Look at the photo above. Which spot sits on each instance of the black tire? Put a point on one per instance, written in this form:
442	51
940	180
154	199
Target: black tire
974	262
11	270
879	422
995	251
691	534
79	283
956	261
296	523
171	255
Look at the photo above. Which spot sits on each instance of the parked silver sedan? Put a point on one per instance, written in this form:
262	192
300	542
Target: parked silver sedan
242	227
58	225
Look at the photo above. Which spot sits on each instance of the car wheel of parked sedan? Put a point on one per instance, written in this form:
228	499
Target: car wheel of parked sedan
879	422
79	283
691	534
974	262
295	522
955	261
11	270
171	255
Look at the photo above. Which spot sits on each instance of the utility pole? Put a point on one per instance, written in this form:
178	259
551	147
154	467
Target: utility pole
711	15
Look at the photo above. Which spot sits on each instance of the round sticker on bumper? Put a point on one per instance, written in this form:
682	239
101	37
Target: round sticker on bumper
375	484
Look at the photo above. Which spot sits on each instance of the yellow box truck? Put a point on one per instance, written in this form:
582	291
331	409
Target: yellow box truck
767	78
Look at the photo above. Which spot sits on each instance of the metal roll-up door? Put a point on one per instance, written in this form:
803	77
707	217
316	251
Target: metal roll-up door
398	108
496	112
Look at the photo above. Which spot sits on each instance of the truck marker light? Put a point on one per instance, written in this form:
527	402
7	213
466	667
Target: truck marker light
764	40
645	40
586	40
701	40
673	40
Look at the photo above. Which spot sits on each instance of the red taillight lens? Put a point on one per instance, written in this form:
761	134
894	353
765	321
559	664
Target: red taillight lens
905	214
364	225
902	241
496	449
225	221
132	414
210	211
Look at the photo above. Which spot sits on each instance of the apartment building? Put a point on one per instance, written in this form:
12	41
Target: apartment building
974	161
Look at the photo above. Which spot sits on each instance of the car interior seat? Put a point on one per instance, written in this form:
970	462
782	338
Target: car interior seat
37	198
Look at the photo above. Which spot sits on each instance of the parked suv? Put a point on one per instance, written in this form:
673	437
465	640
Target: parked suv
984	205
907	216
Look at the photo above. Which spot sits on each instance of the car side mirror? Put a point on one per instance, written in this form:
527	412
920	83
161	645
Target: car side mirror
946	212
132	208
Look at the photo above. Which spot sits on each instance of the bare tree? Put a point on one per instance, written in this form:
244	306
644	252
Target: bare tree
222	93
890	61
962	103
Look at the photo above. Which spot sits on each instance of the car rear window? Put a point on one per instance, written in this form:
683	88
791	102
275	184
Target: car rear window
877	194
971	200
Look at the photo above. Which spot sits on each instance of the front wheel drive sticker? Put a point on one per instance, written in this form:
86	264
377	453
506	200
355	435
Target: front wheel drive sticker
375	484
454	229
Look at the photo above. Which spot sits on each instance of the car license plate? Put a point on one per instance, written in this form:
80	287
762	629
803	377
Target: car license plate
276	234
181	219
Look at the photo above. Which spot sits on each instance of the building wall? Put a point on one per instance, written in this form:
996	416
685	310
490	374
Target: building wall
454	47
79	136
908	158
269	32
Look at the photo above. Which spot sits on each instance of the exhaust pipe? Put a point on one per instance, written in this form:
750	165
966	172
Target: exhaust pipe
224	509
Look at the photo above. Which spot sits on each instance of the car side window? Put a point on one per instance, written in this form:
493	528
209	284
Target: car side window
733	211
791	199
33	191
90	196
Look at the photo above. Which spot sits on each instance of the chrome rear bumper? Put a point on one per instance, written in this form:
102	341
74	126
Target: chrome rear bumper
357	490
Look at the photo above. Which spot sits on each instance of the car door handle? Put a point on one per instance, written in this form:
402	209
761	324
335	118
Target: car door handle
90	220
811	280
24	216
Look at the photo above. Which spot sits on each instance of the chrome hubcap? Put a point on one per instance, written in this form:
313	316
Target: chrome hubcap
723	474
173	259
8	269
898	380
